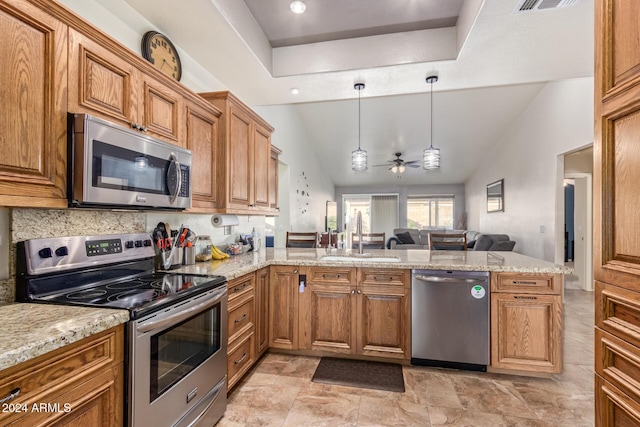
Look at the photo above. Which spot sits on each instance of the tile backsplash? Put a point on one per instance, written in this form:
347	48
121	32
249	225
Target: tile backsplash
27	224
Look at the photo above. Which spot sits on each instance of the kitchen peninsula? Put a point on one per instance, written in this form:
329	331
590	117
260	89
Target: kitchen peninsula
277	297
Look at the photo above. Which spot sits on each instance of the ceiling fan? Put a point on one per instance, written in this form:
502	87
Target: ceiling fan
398	165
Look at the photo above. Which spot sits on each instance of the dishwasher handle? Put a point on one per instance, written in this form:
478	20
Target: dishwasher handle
440	279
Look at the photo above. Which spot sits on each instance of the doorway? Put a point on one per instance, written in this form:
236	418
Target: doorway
578	207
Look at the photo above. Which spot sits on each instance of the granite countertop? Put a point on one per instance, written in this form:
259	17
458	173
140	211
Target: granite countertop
240	265
31	330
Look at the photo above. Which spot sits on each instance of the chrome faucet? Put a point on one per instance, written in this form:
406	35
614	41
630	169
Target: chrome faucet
359	231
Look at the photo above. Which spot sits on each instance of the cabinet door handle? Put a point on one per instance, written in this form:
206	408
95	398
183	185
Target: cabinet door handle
239	361
353	291
143	128
13	393
295	271
359	291
239	288
379	279
244	316
330	276
532	298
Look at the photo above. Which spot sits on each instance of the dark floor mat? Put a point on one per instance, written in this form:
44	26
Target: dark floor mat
360	373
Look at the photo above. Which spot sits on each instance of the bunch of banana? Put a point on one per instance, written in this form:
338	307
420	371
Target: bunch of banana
217	254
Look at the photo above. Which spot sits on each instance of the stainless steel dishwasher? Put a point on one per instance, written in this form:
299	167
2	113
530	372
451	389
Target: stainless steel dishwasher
450	319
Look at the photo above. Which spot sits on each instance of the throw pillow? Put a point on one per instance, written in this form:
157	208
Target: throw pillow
405	238
471	244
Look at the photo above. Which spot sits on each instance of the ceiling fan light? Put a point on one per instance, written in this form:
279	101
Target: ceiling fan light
359	160
394	168
401	168
431	158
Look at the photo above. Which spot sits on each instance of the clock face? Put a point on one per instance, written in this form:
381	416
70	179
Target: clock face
158	49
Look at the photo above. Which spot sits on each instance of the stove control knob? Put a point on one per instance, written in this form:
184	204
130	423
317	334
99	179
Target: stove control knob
138	243
45	253
128	244
62	251
147	242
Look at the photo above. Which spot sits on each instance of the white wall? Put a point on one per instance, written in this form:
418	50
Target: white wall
310	185
558	120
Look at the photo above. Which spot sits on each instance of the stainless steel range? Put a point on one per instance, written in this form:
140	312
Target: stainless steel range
176	339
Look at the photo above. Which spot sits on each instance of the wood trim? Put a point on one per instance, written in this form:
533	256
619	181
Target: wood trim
618	362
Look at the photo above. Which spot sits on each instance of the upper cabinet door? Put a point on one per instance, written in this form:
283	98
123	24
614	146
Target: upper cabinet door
162	111
100	82
240	158
33	83
261	160
202	140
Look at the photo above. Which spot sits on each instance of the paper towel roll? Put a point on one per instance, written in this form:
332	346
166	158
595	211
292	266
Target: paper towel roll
224	220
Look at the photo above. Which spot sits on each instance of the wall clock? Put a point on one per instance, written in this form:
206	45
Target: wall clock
158	49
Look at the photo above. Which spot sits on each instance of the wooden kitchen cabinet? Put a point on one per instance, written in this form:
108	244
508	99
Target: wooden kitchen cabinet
104	84
283	307
82	383
361	311
526	322
202	140
33	124
244	157
241	354
616	249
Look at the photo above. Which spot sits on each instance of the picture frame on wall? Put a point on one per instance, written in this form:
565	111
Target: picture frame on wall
495	196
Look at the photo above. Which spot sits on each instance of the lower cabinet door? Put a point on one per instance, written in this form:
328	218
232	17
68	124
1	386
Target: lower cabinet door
283	307
329	322
384	321
526	332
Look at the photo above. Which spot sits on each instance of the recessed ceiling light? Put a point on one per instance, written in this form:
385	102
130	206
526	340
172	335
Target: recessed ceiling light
294	91
297	6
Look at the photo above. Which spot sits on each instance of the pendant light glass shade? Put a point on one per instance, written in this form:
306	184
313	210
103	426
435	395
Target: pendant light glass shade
359	156
431	155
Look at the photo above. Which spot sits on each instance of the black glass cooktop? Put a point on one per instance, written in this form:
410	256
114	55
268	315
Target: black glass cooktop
140	294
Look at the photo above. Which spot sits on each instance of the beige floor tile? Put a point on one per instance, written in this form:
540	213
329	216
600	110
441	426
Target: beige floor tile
376	411
461	418
320	408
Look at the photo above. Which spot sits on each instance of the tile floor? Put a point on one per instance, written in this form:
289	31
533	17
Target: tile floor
279	391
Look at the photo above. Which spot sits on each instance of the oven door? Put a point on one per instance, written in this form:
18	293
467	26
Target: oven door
178	363
116	166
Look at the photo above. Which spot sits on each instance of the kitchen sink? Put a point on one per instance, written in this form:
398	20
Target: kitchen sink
361	258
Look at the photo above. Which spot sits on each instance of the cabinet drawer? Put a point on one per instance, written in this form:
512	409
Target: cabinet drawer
613	407
526	283
240	359
241	317
369	276
241	285
618	362
40	379
331	275
618	312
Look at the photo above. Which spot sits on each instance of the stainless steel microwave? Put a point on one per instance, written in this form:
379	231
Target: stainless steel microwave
111	166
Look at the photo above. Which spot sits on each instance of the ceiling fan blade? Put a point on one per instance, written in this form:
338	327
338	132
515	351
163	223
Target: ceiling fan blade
411	162
412	166
378	165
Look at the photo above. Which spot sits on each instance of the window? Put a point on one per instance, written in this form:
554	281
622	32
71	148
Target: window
430	212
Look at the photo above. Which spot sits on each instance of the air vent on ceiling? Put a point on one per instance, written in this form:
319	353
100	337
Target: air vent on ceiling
527	5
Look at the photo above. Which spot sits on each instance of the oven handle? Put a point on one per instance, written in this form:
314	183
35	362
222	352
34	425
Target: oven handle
216	297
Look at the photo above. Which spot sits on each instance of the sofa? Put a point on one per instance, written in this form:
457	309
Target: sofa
476	241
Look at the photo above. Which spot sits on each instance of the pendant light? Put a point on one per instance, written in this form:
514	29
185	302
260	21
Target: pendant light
359	156
431	156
